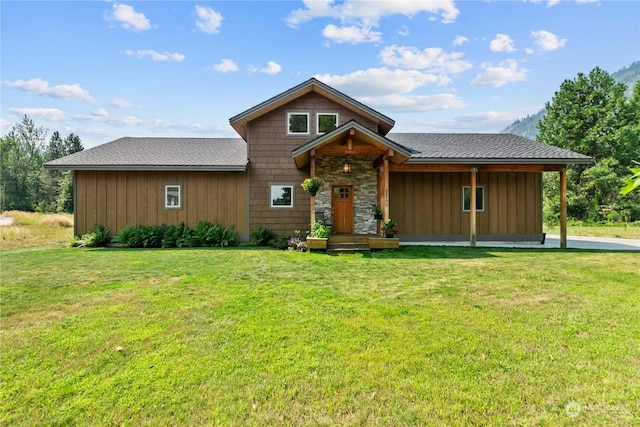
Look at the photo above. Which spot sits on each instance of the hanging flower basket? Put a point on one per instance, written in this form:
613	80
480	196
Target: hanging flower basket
311	185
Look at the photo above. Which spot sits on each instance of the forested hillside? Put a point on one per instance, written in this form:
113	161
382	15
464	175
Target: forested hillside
528	126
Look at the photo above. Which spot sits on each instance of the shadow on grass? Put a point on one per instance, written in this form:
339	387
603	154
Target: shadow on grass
462	252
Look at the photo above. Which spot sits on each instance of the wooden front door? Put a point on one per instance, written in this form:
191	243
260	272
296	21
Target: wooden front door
342	207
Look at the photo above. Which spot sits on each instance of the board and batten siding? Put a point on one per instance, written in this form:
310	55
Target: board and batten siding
118	199
428	206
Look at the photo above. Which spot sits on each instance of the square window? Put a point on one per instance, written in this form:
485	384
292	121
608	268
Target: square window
298	123
466	199
173	196
326	122
281	196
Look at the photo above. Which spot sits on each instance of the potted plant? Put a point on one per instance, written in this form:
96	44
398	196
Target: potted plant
311	185
318	237
389	228
377	212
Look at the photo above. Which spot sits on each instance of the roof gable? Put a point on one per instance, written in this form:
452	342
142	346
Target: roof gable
240	121
357	132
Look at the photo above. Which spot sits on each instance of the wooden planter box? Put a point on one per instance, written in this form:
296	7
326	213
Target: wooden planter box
384	243
316	243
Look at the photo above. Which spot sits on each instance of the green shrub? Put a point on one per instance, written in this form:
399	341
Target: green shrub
96	238
318	229
282	242
208	234
176	236
262	237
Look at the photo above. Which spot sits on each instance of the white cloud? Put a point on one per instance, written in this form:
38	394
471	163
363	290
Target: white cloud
370	11
5	123
117	121
209	21
460	40
156	56
415	103
225	66
351	34
359	18
432	59
128	18
547	41
502	43
506	72
41	87
121	103
378	82
52	114
100	112
404	31
272	68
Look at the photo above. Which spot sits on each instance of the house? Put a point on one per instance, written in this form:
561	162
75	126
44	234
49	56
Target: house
436	186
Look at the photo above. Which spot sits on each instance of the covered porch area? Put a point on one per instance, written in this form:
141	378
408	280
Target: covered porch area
353	164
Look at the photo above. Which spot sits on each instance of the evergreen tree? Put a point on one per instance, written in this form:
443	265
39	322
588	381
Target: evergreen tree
591	116
22	160
24	183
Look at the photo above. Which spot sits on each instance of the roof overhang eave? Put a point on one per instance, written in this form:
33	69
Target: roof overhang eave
181	168
496	161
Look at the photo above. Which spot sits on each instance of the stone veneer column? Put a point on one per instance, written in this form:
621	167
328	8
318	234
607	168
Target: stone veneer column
364	179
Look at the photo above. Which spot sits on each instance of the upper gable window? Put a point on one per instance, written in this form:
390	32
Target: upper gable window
298	123
326	122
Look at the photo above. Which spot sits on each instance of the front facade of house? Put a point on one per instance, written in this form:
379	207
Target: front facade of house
436	186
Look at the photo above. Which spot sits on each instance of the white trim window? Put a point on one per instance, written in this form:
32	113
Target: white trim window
173	196
281	196
298	123
326	122
466	198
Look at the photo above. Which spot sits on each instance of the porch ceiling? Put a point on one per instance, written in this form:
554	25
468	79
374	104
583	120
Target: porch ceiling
350	138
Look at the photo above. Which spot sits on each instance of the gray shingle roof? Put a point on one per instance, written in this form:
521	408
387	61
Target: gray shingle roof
129	153
482	148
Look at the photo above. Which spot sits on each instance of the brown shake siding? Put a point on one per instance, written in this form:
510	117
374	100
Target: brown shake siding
270	161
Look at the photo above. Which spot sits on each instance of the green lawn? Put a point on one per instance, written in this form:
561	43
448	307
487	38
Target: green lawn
421	336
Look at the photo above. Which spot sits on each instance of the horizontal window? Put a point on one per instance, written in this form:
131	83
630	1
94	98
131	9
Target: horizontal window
466	199
282	195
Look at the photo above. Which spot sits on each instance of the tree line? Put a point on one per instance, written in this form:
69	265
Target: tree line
591	115
24	183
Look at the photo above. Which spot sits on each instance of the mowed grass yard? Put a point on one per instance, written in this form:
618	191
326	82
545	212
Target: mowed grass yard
245	336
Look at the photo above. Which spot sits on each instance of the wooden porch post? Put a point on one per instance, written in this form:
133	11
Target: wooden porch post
563	207
312	173
472	207
385	189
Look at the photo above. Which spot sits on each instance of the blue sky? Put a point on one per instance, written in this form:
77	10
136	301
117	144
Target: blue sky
103	69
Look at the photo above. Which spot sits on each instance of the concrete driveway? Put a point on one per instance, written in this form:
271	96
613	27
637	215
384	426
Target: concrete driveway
551	242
